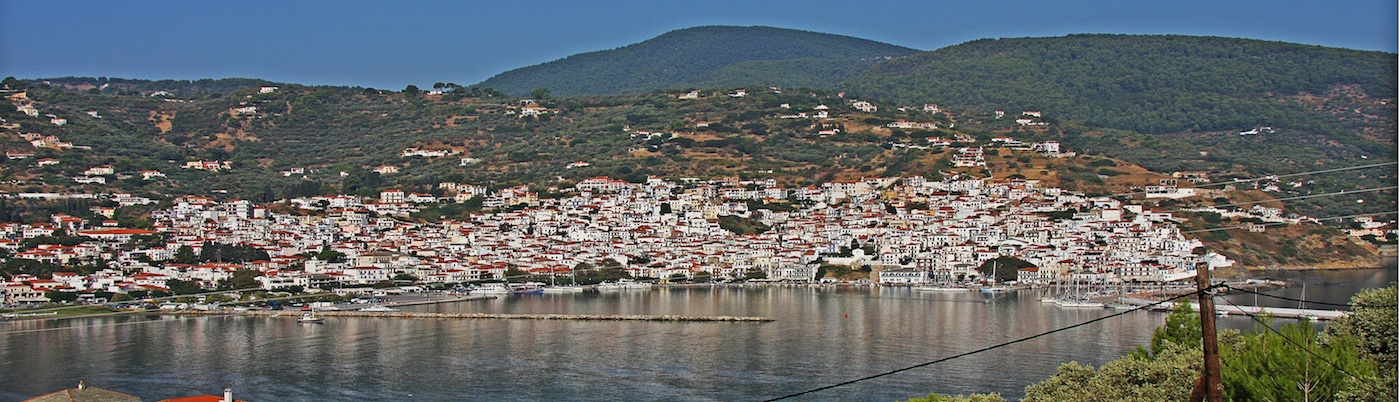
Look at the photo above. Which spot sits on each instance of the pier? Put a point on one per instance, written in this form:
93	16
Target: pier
1227	309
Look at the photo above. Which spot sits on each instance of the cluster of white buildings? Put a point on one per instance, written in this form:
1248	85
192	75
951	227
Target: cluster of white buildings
908	230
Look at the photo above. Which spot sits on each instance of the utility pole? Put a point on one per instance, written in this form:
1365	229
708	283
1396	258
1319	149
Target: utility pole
1211	381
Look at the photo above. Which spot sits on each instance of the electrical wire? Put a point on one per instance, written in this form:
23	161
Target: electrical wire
1284	223
1304	348
1275	177
1296	300
989	348
1343	192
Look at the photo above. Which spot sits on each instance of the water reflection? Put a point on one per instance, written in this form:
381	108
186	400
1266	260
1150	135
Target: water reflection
821	336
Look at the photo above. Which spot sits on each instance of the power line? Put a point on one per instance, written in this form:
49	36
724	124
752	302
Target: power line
1343	192
1292	299
988	348
1313	353
1284	223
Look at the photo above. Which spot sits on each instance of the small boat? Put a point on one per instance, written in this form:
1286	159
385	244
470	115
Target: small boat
491	289
1079	303
623	284
631	284
527	288
310	318
994	288
940	289
1122	306
554	287
563	289
378	309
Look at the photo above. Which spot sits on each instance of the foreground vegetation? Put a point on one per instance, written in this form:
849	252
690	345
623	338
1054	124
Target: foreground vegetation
1353	359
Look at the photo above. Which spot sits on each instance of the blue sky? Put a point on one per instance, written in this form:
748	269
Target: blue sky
390	44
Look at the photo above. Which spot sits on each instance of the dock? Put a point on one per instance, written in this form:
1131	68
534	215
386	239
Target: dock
1279	312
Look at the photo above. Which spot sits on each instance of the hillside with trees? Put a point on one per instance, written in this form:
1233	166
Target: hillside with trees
1175	103
261	141
1144	83
706	56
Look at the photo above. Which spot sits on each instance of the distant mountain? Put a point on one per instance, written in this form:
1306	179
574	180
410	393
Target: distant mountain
1143	83
705	56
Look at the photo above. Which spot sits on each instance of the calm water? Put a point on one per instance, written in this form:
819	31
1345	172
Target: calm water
822	336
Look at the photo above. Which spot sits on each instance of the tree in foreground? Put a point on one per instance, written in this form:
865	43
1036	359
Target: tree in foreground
1374	328
1168	377
1291	365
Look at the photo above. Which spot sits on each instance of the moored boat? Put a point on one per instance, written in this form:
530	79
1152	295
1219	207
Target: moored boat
310	317
490	289
563	289
1076	302
624	284
527	288
940	289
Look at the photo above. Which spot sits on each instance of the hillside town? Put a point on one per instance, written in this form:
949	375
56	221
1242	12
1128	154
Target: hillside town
905	230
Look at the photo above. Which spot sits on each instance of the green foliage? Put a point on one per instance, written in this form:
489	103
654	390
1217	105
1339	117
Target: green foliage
1005	268
329	255
1144	83
1257	366
1168	377
13	266
742	226
184	255
1182	328
1374	329
329	130
595	276
219	252
704	56
242	279
1278	367
58	239
935	397
61	297
1059	215
180	287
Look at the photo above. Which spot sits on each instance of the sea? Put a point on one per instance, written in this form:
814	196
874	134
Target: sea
825	343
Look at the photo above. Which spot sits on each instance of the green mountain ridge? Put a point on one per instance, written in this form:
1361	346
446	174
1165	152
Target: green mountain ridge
1101	95
704	56
1144	83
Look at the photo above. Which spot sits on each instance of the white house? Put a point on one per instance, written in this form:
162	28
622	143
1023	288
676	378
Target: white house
865	106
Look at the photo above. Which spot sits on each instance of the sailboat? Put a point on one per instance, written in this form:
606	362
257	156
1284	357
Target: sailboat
994	288
1078	299
1120	304
941	286
310	317
554	288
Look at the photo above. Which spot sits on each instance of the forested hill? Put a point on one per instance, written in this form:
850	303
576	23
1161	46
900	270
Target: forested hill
1143	83
704	56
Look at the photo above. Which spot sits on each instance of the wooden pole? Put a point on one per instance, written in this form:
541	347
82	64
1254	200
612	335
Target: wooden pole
1214	386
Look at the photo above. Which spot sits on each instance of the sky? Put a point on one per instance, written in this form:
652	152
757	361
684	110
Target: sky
391	44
